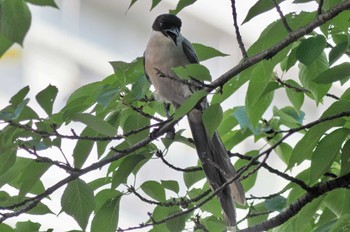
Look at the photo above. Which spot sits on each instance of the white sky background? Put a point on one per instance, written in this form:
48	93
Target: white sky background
72	46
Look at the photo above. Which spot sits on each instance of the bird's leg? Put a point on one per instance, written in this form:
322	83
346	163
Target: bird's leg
171	133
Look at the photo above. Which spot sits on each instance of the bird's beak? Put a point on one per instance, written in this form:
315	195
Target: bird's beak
173	33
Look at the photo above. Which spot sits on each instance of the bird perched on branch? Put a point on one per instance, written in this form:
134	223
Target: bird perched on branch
167	49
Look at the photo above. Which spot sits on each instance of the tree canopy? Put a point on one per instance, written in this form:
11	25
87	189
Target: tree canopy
122	122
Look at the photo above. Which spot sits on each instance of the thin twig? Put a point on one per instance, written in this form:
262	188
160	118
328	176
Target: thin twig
319	9
238	34
283	18
300	89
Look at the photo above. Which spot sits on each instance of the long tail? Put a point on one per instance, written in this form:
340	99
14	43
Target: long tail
217	166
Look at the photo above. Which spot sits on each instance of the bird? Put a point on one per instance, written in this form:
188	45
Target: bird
166	49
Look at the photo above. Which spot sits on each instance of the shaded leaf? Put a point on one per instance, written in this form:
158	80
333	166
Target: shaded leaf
295	97
326	152
125	169
212	117
196	71
19	96
337	52
46	98
78	201
31	175
311	48
15	20
83	147
277	203
107	217
189	104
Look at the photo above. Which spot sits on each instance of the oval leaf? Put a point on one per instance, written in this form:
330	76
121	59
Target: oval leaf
212	118
78	201
154	190
310	49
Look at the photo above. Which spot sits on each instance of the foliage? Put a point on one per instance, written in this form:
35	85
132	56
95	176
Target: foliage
122	122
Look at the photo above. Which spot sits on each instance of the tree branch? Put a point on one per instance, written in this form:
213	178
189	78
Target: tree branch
238	34
295	207
283	18
270	52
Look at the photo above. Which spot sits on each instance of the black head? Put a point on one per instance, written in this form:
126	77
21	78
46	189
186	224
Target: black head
166	22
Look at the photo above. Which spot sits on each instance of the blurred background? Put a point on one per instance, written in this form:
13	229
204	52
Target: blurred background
71	46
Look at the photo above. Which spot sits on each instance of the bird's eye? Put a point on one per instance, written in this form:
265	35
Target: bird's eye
161	25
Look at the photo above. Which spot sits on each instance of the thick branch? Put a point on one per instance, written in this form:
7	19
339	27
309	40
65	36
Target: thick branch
294	208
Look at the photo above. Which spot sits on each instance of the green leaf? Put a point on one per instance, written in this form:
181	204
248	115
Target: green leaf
337	202
336	73
181	5
107	217
125	169
40	209
308	73
6	228
311	48
260	7
256	102
27	226
204	52
326	152
78	201
19	96
190	178
95	123
196	71
43	3
243	120
154	190
31	175
345	159
15	20
296	98
343	224
46	98
155	3
189	104
212	206
133	122
7	160
258	209
11	174
337	52
212	117
277	203
5	44
83	147
250	181
303	149
171	185
178	223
